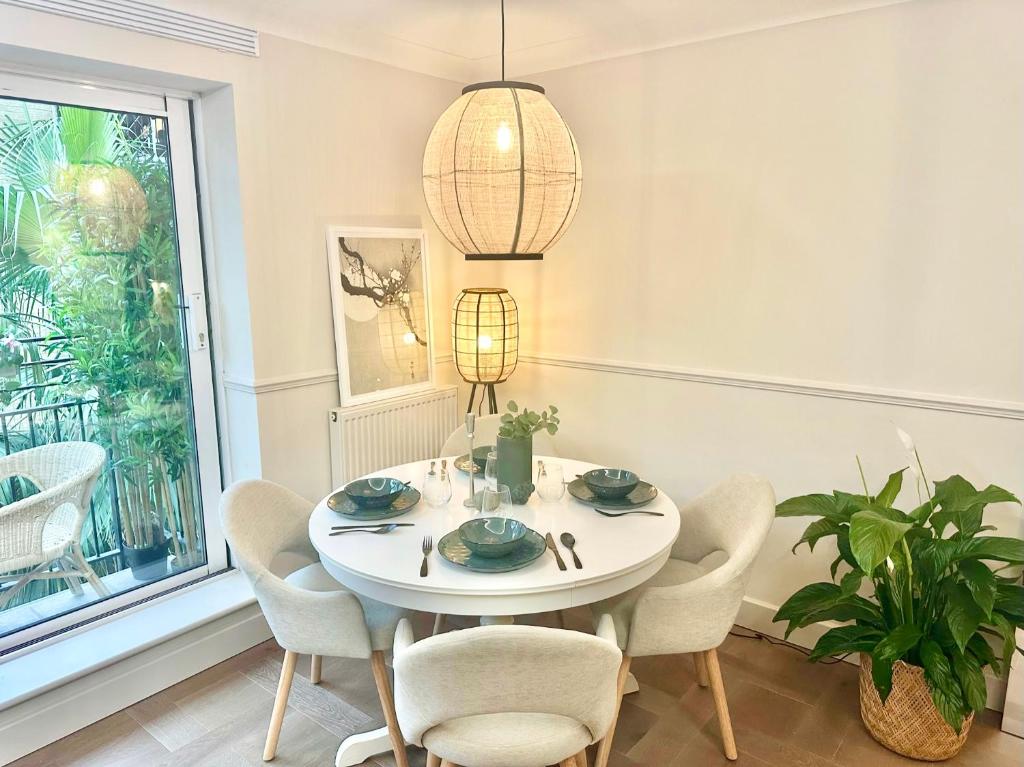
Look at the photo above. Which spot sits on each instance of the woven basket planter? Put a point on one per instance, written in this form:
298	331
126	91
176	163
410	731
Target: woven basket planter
908	723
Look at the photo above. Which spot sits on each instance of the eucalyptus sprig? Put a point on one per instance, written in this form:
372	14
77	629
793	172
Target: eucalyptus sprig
933	601
516	425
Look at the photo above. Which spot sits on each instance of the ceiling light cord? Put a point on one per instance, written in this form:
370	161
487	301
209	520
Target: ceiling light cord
502	39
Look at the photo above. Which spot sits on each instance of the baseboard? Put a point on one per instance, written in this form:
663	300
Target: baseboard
756	615
52	715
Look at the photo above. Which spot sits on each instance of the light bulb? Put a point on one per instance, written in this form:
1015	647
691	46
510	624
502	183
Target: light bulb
483	342
409	338
504	137
98	187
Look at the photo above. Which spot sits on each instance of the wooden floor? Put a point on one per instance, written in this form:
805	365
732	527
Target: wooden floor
785	711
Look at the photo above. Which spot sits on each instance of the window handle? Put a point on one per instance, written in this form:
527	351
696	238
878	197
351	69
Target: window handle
198	332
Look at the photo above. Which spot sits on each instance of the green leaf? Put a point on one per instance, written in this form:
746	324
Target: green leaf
981	582
945	689
997	549
814	505
1010	601
845	639
811	598
825	601
962	613
818	529
512	407
922	512
881	675
850	583
872	537
843	544
553	409
972	681
897	643
1008	633
834	567
979	647
887	495
507	418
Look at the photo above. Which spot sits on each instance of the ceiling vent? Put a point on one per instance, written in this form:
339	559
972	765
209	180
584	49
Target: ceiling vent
152	20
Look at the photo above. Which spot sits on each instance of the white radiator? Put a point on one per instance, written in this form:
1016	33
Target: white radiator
371	437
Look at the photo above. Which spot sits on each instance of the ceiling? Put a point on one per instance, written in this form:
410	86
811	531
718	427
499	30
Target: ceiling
460	39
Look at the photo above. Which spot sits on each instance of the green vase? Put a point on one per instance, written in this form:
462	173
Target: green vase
515	466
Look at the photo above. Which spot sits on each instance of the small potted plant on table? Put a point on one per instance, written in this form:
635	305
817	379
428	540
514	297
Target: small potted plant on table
933	605
515	447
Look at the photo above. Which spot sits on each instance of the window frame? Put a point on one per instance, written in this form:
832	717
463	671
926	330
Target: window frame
184	151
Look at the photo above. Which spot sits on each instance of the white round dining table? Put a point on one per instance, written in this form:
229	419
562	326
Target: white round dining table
617	554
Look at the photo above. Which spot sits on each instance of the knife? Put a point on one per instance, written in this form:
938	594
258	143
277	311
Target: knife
551	545
375	524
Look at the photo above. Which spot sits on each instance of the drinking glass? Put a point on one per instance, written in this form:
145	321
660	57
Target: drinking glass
433	492
496	501
551	483
491	469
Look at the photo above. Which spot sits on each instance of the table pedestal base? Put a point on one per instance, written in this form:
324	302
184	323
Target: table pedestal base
356	749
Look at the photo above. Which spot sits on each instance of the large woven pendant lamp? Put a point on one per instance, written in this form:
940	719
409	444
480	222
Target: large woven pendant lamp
485	340
501	171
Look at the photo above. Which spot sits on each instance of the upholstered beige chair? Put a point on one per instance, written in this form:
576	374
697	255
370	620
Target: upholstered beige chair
506	696
486	433
45	530
689	607
309	612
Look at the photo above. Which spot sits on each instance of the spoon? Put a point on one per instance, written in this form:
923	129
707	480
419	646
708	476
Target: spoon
568	541
624	513
378	531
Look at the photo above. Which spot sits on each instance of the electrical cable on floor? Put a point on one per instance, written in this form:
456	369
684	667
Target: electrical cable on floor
832	660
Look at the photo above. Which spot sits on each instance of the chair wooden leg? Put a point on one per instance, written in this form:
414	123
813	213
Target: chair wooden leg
446	763
387	702
73	580
581	759
560	615
701	668
438	624
721	706
284	686
316	663
78	557
604	749
570	762
433	760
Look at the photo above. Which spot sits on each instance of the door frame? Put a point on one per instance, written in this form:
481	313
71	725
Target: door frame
177	111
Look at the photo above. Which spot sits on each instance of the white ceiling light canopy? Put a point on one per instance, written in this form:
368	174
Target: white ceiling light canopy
502	173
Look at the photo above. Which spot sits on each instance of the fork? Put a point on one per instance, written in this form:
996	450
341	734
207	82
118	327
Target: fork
428	546
624	513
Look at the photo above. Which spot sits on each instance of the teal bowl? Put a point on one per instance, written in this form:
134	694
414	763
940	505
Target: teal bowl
492	537
375	492
611	483
480	455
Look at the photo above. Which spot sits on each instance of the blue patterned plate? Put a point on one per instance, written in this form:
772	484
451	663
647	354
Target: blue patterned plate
454	550
345	506
641	495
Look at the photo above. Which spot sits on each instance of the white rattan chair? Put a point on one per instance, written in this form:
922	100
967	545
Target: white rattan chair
44	530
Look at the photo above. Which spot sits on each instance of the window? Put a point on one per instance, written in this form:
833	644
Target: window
103	339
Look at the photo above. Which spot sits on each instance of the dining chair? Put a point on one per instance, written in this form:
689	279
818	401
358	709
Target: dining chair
309	612
486	433
44	530
506	696
689	606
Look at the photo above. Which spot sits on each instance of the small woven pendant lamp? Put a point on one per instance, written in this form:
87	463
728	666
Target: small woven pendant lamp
485	340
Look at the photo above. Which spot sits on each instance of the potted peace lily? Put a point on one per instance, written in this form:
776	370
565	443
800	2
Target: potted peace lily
515	447
933	606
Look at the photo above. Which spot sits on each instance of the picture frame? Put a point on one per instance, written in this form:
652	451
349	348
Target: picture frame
381	305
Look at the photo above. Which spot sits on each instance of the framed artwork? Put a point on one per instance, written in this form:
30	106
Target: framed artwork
381	312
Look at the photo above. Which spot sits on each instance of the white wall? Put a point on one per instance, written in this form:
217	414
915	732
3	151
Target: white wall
831	208
320	137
